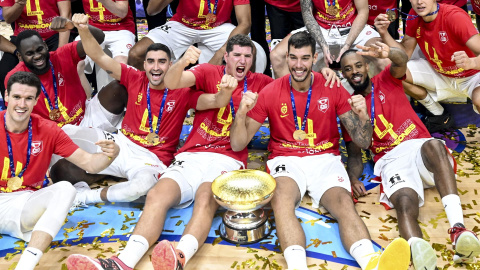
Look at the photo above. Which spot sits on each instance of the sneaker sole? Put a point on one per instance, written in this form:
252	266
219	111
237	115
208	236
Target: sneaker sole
164	257
467	245
423	256
81	262
396	256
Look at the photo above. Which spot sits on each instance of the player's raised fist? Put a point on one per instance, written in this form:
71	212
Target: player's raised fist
249	99
80	20
359	106
191	56
61	24
228	83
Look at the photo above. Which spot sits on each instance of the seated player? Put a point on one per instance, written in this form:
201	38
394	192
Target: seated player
406	157
305	155
28	210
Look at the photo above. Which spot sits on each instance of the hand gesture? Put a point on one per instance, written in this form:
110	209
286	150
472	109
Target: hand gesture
109	148
359	106
358	188
462	60
228	83
191	56
345	48
80	20
377	50
61	24
330	76
327	57
249	99
381	24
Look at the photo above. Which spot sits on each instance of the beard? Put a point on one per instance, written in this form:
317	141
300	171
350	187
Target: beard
360	88
36	70
292	72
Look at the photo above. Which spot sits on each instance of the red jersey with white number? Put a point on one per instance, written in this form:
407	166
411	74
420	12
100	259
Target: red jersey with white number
211	128
47	139
71	95
104	20
476	6
391	127
136	125
287	5
192	13
36	15
439	39
376	7
326	103
344	18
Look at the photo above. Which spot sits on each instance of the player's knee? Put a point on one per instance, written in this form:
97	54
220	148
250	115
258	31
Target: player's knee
277	56
135	56
65	192
141	184
405	201
204	200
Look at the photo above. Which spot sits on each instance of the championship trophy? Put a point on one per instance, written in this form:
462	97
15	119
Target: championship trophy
243	193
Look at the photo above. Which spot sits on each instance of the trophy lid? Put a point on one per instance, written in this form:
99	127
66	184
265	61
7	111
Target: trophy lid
243	190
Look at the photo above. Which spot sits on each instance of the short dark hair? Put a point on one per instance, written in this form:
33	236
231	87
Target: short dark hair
302	39
347	52
26	78
24	35
159	47
240	40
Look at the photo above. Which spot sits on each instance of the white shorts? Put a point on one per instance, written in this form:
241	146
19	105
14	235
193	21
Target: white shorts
315	174
98	117
179	37
403	167
118	43
441	87
191	169
131	159
11	207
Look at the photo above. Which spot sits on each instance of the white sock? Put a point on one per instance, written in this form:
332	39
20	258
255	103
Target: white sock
362	251
93	196
136	247
296	257
432	105
29	259
412	239
453	209
189	245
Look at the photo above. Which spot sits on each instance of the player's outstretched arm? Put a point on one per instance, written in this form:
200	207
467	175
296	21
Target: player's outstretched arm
243	127
357	26
381	50
177	76
355	169
357	122
95	163
12	13
314	29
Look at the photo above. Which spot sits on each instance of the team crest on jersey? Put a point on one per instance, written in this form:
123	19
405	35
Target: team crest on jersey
129	46
382	97
139	99
323	104
443	36
284	110
37	147
418	32
170	105
61	81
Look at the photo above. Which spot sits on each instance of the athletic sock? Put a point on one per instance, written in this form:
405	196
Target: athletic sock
412	239
362	251
29	259
433	106
136	247
93	196
188	244
296	257
453	209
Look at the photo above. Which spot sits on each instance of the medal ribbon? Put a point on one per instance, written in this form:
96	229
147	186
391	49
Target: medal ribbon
150	118
10	150
54	90
214	12
232	108
372	107
413	17
307	106
331	3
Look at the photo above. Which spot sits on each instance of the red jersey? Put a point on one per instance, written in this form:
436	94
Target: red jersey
376	7
136	125
211	128
439	39
275	103
71	96
458	3
36	15
193	13
476	7
347	12
47	139
287	5
391	127
104	20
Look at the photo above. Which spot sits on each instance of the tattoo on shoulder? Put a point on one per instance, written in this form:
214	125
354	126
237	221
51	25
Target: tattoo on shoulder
360	132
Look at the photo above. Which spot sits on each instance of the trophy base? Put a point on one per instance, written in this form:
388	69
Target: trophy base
245	236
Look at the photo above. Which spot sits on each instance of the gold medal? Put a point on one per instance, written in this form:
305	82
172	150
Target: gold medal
332	10
54	114
152	138
391	15
299	135
14	183
211	18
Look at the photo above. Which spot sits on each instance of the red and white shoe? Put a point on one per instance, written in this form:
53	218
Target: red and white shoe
465	243
166	257
82	262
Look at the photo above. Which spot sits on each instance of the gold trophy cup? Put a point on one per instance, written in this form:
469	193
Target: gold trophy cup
243	193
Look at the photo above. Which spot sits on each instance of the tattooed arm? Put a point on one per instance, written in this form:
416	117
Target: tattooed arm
357	122
355	168
314	29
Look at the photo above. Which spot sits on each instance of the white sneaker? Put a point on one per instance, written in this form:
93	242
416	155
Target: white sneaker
81	197
423	255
